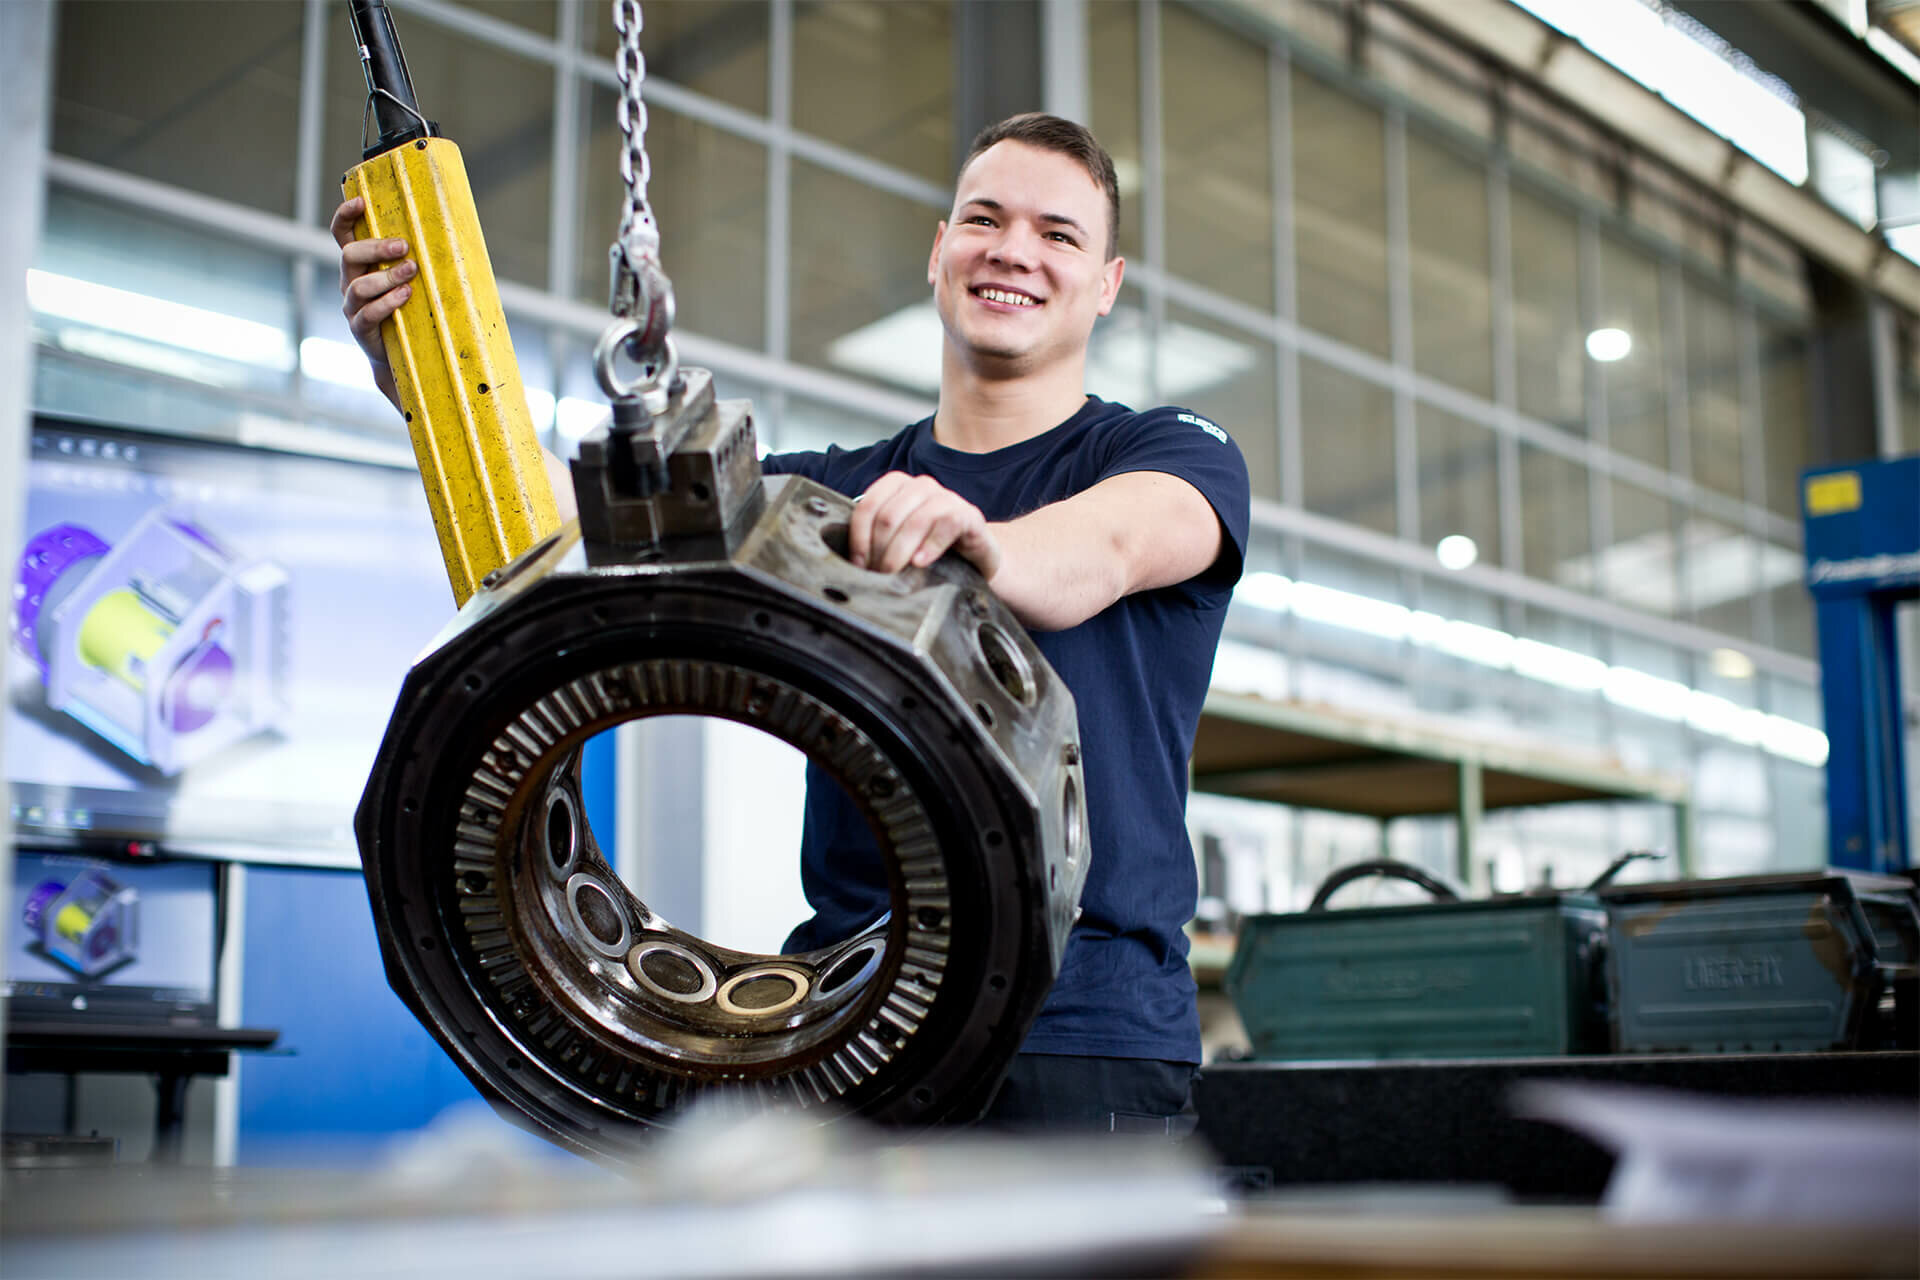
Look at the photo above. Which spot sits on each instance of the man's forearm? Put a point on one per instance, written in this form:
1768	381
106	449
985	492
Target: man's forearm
1055	577
1137	531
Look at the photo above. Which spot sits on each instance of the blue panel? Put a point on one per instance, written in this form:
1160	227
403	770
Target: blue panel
361	1068
1871	543
597	790
1863	560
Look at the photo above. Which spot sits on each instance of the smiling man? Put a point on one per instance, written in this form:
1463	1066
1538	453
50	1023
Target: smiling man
1115	535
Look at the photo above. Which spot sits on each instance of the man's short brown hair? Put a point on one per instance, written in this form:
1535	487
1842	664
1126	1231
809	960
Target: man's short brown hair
1053	133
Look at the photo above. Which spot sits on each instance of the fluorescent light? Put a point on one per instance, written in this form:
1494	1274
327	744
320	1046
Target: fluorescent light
1696	71
1354	612
1730	664
1456	551
118	348
1895	52
173	324
341	363
1711	713
1552	664
1469	640
1649	695
1625	687
1795	741
1609	345
1845	177
1905	240
1263	590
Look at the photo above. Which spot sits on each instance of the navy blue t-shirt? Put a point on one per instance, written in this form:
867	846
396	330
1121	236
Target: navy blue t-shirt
1138	671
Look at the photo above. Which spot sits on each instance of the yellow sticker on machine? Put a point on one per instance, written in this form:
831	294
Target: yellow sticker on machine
1833	493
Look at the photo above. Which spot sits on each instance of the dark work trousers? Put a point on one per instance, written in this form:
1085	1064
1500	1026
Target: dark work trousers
1060	1093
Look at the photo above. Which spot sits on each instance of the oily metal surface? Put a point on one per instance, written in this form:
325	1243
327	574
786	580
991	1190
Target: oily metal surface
575	1007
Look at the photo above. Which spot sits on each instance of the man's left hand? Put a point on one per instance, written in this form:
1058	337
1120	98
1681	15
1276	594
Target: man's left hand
906	520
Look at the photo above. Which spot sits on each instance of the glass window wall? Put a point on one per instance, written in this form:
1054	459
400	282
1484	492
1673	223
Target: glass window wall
1633	372
1113	45
1549	339
1340	214
1346	445
1451	280
876	77
1218	160
1459	484
713	47
858	302
200	94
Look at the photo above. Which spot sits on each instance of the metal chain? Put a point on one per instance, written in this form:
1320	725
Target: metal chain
640	295
636	216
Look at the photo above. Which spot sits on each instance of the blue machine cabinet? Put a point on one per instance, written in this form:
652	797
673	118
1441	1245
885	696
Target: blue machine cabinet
1863	559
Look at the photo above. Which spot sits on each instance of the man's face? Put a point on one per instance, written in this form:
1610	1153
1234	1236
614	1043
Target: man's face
1020	272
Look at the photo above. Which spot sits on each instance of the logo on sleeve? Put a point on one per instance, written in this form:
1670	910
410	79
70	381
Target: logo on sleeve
1193	421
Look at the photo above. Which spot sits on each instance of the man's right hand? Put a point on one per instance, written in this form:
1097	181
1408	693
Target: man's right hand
374	277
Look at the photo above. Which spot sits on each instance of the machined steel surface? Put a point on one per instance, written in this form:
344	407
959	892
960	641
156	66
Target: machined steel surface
571	1004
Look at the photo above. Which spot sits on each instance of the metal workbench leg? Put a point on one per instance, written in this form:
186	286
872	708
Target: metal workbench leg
1467	809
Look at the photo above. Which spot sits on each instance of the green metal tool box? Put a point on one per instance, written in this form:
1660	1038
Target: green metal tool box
1506	977
1792	963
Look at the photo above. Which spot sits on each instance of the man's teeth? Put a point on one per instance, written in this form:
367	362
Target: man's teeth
1010	299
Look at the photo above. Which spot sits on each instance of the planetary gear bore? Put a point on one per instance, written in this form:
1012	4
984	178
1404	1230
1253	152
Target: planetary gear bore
691	586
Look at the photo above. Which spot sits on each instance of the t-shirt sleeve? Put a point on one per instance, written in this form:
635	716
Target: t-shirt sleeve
1184	444
811	465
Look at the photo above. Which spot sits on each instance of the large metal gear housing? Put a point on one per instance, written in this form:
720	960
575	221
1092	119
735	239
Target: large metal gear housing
698	588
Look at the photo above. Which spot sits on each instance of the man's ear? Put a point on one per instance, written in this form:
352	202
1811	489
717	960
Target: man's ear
933	257
1110	283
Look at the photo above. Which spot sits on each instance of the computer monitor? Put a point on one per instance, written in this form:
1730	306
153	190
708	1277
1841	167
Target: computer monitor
207	641
113	941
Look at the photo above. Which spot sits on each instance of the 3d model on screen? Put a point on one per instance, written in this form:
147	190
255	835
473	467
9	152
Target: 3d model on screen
167	645
91	924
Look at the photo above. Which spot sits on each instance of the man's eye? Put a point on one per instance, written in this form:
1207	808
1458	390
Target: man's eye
1062	237
981	220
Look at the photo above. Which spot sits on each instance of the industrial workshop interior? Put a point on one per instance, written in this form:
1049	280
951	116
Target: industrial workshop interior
818	638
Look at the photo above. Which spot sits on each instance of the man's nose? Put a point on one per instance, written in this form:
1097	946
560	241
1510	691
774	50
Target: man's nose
1017	247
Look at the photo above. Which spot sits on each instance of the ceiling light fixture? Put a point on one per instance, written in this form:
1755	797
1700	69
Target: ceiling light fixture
1456	551
1609	345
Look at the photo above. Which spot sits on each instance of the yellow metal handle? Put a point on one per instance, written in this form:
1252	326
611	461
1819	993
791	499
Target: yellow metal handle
452	360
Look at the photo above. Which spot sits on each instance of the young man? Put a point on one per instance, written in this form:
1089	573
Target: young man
1115	536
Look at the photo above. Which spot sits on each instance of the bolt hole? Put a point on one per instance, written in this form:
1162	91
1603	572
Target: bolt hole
836	595
762	621
998	982
560	834
473	882
483	388
473	682
985	713
700	492
930	917
1007	663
